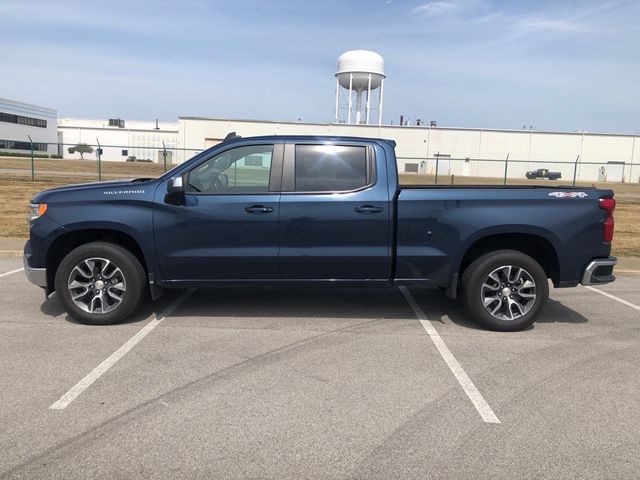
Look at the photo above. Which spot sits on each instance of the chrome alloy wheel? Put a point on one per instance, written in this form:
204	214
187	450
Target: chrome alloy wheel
97	285
508	292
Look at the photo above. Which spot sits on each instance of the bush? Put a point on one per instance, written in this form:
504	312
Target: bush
132	158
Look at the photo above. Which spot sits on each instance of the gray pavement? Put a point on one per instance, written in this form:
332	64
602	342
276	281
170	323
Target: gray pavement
320	383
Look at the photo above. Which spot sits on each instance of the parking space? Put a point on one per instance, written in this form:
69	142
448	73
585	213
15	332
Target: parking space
320	383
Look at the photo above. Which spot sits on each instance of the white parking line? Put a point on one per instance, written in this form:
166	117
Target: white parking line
467	385
12	271
613	297
97	372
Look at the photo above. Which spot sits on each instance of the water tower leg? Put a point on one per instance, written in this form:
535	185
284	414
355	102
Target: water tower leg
337	97
350	85
358	106
380	102
368	98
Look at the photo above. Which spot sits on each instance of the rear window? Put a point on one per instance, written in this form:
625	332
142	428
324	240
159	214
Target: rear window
330	168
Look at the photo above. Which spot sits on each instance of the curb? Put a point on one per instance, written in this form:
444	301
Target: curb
626	272
10	253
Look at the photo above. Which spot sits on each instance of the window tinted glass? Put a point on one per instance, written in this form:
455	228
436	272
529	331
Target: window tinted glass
238	170
330	168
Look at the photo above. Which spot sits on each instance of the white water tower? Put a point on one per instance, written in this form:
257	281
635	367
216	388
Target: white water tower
360	72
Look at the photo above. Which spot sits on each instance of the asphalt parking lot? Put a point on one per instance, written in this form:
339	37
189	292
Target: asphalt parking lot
319	383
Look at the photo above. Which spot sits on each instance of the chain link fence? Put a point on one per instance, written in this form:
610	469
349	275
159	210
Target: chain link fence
60	161
71	162
440	170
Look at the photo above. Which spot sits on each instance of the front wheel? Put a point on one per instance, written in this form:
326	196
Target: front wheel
100	283
505	290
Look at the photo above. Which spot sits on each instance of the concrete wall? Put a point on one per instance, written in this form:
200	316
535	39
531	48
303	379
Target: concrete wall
139	139
20	133
527	150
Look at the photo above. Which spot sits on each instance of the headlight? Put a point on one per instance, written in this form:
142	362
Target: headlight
36	210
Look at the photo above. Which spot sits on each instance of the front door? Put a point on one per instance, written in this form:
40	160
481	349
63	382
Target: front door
227	227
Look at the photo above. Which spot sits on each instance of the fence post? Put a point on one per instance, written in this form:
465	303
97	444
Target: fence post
633	148
99	161
575	170
164	155
33	168
506	166
437	160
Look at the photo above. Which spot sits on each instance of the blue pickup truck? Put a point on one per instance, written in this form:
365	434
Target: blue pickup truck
304	209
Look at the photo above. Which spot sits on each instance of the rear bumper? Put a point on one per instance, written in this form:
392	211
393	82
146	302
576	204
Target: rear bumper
599	271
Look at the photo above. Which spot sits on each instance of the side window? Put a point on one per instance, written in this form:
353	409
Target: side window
330	168
238	170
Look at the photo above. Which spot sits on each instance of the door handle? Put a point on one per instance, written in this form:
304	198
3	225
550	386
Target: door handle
258	209
368	209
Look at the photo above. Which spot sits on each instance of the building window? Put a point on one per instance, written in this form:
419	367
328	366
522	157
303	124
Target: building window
17	145
410	168
253	161
125	153
20	120
116	122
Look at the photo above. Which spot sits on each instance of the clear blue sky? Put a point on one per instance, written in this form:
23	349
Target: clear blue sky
556	65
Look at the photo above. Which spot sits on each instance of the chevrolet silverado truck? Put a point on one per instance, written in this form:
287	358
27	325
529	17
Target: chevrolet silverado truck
314	210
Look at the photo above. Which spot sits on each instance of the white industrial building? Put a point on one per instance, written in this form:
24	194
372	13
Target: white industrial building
19	121
460	151
119	139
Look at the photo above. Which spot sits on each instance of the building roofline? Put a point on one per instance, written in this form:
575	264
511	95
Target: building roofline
30	107
415	127
116	129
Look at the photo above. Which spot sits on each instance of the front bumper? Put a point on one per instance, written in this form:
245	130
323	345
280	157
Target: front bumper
599	271
37	276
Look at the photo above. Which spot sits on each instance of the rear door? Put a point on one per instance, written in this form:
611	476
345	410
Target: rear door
227	228
334	213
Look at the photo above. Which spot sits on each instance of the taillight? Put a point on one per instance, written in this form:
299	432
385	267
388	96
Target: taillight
608	204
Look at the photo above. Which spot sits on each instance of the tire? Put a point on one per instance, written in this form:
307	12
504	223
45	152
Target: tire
489	278
109	269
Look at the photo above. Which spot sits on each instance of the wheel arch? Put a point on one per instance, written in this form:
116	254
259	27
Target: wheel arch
537	245
72	239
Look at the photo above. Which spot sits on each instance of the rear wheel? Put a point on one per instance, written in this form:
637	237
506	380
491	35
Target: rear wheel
505	290
100	283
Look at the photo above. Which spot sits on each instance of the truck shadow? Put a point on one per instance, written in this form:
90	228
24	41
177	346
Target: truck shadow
53	308
247	305
298	302
442	309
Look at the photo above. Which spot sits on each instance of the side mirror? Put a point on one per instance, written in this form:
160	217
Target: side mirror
175	185
175	191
